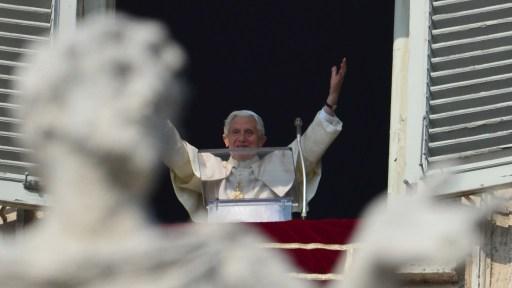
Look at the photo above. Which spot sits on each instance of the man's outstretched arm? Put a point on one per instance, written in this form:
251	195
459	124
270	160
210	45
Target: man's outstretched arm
326	126
176	156
337	77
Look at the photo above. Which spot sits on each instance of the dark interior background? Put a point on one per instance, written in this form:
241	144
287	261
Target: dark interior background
274	57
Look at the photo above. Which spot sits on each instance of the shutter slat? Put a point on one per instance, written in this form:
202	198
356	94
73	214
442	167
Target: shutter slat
471	86
455	118
25	23
472	30
8	77
10	134
471	96
472	16
25	15
485	141
470	101
16	163
15	149
472	72
456	6
466	125
9	106
23	36
471	129
469	111
25	8
473	160
471	44
9	91
471	153
4	176
16	50
9	120
464	140
12	63
472	58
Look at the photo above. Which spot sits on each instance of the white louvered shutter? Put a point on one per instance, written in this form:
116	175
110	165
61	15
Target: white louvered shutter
21	22
469	113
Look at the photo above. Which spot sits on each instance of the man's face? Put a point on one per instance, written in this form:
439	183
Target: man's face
243	133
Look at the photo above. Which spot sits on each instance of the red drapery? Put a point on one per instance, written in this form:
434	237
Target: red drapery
321	260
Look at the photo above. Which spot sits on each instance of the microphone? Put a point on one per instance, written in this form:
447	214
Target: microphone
298	125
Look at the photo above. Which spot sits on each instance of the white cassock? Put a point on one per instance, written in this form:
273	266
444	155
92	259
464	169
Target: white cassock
256	177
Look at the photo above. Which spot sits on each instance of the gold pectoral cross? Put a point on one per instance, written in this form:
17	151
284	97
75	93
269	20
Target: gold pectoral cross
237	194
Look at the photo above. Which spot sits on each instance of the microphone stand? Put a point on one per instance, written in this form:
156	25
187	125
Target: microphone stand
298	126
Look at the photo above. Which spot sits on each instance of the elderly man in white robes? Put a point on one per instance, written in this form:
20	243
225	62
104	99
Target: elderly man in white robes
245	129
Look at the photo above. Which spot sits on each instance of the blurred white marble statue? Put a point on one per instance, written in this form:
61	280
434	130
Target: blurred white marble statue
413	229
93	109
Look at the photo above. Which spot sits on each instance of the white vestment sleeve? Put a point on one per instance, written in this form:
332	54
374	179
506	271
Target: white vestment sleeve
181	158
315	141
